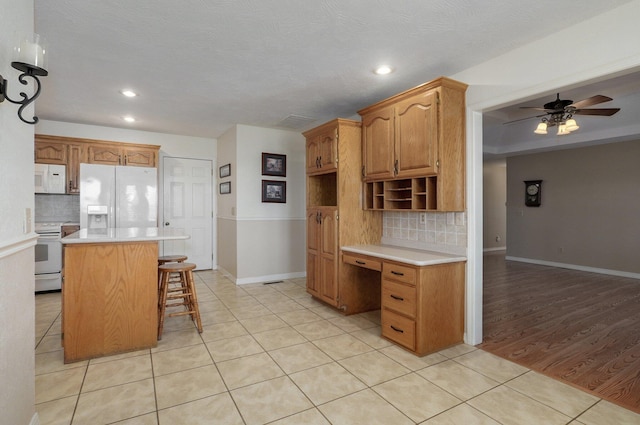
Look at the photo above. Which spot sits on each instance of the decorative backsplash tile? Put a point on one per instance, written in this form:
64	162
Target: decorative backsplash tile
57	208
441	231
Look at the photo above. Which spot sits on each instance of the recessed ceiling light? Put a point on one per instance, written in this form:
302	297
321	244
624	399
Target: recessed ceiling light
128	93
383	70
129	118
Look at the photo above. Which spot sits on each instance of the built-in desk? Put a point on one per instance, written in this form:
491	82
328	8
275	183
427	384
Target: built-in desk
110	291
422	294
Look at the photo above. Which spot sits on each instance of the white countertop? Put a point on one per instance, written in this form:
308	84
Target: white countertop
126	234
415	257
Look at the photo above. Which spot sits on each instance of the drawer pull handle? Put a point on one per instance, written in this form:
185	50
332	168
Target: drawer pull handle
396	329
395	297
360	262
397	273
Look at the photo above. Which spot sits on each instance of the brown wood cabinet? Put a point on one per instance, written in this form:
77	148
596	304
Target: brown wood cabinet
322	253
72	152
422	307
322	151
335	217
419	133
120	154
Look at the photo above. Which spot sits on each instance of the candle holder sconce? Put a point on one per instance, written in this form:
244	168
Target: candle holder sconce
30	58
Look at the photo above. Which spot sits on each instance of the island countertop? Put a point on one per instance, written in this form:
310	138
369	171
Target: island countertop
125	234
415	257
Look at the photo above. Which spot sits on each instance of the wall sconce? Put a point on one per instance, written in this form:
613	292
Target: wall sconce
30	57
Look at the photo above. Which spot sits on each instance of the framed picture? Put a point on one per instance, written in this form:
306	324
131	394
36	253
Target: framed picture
274	164
225	188
274	191
225	171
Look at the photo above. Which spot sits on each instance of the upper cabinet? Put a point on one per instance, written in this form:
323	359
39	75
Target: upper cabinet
122	154
72	152
419	133
322	150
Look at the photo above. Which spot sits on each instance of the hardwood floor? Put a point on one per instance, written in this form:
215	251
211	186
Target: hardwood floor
582	328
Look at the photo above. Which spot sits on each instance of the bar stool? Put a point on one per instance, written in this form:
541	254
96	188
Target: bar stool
170	259
181	294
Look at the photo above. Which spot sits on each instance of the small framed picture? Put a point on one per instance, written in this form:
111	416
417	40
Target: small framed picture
225	188
274	191
274	164
225	171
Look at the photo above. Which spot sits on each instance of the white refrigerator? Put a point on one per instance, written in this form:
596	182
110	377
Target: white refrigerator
118	196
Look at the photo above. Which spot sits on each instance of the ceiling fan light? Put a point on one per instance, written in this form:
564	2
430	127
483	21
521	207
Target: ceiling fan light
562	130
572	125
541	129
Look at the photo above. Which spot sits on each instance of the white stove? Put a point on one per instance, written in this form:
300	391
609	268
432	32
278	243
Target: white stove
48	257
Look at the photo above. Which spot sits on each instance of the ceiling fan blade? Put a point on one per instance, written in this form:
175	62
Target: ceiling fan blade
593	100
523	119
536	108
604	111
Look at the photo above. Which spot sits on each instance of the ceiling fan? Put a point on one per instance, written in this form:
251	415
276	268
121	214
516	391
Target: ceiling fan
560	113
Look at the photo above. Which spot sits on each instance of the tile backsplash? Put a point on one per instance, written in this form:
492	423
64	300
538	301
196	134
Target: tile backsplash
57	208
439	231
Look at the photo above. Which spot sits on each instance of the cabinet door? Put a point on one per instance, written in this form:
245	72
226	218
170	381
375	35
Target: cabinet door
140	157
313	252
76	156
313	155
104	154
327	150
50	153
329	254
377	144
416	135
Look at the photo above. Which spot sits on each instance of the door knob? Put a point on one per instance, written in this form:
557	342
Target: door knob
166	223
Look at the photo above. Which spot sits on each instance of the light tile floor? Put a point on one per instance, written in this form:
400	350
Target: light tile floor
270	354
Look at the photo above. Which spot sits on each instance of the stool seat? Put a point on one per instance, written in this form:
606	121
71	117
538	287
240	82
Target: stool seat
177	288
172	259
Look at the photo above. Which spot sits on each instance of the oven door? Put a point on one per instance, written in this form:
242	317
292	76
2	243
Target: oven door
48	254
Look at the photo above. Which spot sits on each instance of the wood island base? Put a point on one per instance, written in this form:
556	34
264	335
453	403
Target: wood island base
109	298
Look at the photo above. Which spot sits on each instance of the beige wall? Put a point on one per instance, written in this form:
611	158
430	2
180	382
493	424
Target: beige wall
268	238
589	212
494	209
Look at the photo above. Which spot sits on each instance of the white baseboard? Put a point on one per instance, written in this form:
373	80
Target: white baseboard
261	279
609	272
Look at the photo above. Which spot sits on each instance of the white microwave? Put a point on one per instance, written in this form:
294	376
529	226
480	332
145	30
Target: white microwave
50	178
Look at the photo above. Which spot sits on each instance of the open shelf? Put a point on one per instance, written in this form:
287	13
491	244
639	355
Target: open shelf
417	193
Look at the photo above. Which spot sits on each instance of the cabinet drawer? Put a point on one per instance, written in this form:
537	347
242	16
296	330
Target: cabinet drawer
367	263
399	297
399	329
406	274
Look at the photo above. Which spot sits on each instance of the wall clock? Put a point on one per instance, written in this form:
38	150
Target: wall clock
532	192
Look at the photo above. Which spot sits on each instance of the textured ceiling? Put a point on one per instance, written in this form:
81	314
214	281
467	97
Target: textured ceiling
202	66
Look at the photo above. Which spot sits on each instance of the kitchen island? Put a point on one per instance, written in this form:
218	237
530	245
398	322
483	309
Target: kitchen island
110	290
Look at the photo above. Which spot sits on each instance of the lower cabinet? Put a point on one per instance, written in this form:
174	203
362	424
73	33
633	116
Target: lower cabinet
322	253
422	307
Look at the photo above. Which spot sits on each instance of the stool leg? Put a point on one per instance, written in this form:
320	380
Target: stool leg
162	301
194	300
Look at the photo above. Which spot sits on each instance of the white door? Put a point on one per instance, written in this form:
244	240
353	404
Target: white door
187	205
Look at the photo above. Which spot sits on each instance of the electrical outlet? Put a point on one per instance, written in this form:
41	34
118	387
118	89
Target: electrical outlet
498	238
423	218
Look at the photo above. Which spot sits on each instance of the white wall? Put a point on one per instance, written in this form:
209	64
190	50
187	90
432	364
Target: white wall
17	304
598	47
269	237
